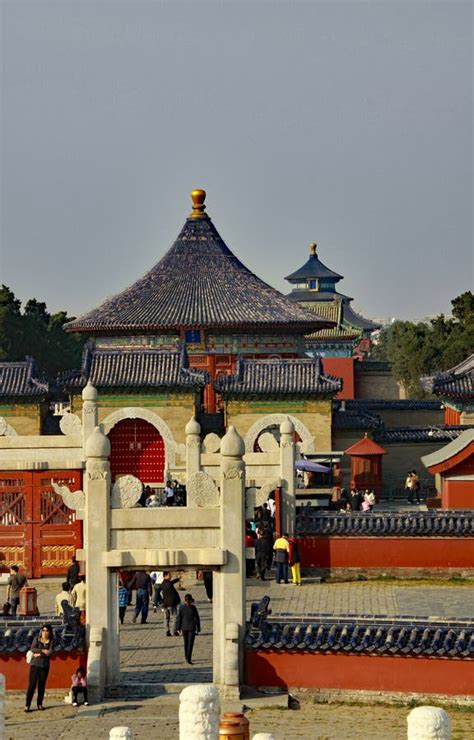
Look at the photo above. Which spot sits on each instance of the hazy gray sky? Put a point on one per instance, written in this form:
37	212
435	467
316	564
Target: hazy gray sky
344	123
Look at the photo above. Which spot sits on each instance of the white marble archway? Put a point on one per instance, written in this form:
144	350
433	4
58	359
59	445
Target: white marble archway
275	420
134	412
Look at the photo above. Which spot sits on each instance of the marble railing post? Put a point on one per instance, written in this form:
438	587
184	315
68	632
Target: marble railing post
229	581
287	474
199	713
193	447
428	722
89	412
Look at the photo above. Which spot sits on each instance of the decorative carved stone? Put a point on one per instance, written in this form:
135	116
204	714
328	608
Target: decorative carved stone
273	420
89	408
3	426
193	442
211	443
428	722
268	442
202	491
265	490
125	492
233	473
70	424
75	500
97	475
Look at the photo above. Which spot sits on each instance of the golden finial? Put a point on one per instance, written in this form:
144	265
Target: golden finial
312	248
198	197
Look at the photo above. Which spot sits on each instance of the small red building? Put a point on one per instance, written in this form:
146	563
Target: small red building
453	466
366	464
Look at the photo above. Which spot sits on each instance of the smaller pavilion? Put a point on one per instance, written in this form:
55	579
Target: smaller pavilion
456	388
453	466
366	464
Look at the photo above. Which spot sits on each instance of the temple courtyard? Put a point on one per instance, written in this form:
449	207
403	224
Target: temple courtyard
154	670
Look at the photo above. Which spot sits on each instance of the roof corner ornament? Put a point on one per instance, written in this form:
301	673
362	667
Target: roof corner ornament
312	248
198	197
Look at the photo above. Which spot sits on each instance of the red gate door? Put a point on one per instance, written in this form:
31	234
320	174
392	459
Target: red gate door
56	533
16	515
137	448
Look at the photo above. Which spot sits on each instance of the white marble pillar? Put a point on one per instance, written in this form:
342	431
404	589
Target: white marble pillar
229	581
428	722
199	711
99	601
287	474
89	412
120	733
193	447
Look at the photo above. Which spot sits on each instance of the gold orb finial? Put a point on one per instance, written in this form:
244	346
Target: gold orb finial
312	248
198	197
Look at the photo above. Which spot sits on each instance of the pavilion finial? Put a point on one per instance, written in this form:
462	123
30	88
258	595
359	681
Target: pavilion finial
198	197
312	248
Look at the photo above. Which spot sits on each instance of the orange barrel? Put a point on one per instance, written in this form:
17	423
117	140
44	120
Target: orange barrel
242	719
27	606
229	728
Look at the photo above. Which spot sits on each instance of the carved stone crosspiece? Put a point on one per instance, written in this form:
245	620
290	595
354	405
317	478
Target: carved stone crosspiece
268	442
202	491
75	500
211	443
70	424
125	492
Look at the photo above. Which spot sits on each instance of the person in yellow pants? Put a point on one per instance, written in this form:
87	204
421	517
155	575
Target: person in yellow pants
294	561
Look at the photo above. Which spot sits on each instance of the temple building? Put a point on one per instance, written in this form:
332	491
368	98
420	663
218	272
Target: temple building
455	388
314	288
23	398
199	335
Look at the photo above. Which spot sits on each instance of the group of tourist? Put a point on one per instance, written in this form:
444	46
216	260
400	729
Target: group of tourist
412	487
174	494
356	500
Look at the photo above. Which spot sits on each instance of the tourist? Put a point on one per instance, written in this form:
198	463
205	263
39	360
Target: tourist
263	551
281	549
266	516
72	575
294	561
249	553
15	583
356	499
152	501
369	498
208	584
142	582
78	598
156	580
169	494
409	487
64	595
122	601
171	601
271	505
416	486
189	624
79	686
42	649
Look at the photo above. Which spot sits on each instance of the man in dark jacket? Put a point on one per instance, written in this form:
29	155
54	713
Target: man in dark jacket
15	583
263	550
171	600
72	576
142	582
189	624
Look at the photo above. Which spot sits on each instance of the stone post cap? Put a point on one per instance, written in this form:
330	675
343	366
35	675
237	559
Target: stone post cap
428	722
200	692
89	393
232	444
124	733
193	426
98	444
287	426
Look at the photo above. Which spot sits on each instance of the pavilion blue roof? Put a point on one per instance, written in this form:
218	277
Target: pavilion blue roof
299	377
313	268
107	369
19	379
455	383
199	283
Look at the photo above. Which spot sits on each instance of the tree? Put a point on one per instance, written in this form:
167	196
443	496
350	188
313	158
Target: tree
38	334
414	350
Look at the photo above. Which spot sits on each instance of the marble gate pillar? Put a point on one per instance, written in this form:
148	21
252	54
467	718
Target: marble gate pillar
287	474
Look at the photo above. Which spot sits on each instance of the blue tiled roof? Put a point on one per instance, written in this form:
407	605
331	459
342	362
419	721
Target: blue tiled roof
313	268
134	369
199	283
438	433
455	383
16	637
19	379
356	635
364	405
299	377
355	420
432	523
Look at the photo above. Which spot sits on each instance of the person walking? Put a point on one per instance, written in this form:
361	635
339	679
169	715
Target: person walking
171	599
79	686
281	549
78	598
63	595
142	582
122	601
263	551
294	561
189	624
15	583
156	579
42	649
72	576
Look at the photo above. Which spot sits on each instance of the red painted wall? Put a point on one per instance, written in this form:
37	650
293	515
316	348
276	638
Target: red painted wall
387	552
342	367
366	672
15	669
458	494
451	416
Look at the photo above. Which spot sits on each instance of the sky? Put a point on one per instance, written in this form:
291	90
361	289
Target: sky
348	124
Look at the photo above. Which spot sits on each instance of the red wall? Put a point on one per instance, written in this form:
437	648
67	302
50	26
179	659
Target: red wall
451	416
365	672
342	367
387	552
15	669
458	494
